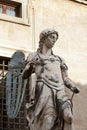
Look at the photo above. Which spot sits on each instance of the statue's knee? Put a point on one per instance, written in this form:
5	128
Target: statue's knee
49	122
68	117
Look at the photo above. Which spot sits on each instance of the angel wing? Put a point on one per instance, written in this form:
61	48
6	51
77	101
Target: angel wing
15	85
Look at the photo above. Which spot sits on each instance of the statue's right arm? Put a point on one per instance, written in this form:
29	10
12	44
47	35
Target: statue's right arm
27	71
29	66
32	59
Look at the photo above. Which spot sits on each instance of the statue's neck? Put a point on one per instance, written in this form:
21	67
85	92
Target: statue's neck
46	51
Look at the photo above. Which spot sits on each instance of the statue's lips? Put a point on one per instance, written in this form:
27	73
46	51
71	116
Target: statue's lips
50	44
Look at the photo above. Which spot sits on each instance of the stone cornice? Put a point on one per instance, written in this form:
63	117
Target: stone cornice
81	1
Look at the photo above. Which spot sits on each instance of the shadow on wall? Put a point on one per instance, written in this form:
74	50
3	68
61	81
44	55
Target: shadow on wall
80	108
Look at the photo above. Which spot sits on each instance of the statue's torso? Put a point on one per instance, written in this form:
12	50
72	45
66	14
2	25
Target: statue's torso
49	71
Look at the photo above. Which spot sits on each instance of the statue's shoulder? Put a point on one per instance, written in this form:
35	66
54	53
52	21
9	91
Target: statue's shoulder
62	62
59	58
32	56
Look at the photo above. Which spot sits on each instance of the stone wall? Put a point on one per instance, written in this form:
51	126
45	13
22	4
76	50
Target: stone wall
80	109
15	32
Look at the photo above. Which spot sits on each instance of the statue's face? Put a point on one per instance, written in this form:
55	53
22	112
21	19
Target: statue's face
50	40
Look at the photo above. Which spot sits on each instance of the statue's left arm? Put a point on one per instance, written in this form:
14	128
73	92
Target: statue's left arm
67	81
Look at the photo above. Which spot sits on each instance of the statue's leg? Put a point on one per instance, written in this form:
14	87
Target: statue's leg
49	115
48	123
68	119
45	113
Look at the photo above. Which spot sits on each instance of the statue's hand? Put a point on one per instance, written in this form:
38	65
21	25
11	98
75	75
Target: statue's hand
75	90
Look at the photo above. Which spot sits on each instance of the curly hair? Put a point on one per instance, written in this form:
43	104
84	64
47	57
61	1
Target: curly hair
43	35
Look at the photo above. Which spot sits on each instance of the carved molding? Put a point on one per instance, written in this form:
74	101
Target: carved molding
81	1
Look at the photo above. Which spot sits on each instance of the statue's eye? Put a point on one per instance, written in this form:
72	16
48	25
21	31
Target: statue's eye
52	37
